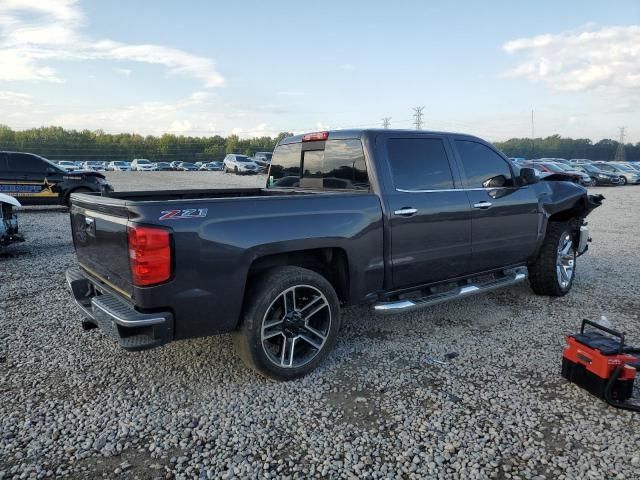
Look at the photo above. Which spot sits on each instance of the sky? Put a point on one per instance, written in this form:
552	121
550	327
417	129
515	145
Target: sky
257	68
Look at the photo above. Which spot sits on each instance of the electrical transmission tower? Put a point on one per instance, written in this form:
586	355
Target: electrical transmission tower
621	155
386	122
417	117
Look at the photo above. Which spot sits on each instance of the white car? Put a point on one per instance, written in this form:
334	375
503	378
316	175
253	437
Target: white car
118	166
93	165
67	165
142	165
239	164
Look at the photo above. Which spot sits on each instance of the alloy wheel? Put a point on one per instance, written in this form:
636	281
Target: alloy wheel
296	326
565	262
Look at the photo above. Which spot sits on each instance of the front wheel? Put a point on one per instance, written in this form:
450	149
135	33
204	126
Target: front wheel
553	272
290	323
623	180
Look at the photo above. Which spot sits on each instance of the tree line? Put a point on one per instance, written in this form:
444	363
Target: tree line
57	143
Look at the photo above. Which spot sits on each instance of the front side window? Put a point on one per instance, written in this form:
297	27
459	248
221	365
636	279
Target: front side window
483	167
419	164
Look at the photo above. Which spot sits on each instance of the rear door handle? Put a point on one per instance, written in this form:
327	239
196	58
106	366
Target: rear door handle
406	211
484	205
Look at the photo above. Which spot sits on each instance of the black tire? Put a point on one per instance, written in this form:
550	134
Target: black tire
67	200
544	276
623	180
235	170
263	299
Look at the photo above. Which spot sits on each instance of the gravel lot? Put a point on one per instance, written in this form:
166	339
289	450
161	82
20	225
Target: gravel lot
388	403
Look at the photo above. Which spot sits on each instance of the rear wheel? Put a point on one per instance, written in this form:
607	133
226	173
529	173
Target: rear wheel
553	272
290	323
623	180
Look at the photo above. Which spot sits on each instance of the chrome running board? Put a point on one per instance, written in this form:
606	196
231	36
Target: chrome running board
405	305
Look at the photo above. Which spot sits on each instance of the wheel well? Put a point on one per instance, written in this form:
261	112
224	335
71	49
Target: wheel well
331	263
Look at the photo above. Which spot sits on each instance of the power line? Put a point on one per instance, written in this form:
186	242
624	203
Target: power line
621	154
386	122
417	117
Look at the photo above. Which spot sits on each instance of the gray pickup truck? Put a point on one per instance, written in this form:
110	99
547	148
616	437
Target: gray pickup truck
398	220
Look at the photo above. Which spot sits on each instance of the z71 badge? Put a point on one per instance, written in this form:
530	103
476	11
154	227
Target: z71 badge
183	214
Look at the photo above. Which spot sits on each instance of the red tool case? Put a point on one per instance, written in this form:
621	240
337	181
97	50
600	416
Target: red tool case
601	364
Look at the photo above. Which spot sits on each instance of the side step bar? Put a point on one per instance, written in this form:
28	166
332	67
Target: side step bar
407	305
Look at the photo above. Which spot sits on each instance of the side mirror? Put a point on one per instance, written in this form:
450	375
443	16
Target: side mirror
495	182
528	176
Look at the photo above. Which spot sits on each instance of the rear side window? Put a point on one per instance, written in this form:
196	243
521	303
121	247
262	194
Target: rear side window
482	164
419	164
334	164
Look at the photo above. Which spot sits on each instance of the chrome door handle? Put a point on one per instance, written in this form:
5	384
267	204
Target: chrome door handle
483	205
406	211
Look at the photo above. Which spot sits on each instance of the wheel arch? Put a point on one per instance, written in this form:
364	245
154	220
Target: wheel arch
330	262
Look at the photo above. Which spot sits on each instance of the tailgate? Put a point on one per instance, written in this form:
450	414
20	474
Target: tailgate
100	240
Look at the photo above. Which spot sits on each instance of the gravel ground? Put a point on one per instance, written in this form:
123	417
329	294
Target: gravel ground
388	402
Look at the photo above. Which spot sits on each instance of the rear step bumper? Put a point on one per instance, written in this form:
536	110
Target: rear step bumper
115	317
406	305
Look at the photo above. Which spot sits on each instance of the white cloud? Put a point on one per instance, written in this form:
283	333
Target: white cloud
605	58
14	98
33	32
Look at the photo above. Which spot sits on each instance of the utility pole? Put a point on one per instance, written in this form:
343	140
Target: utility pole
417	117
621	155
386	122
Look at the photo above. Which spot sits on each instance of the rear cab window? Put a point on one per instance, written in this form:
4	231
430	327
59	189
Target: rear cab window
327	165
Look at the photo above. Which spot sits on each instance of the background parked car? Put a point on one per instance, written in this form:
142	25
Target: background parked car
187	167
551	168
93	165
163	166
598	177
627	174
585	179
67	165
239	164
262	159
118	166
212	166
174	164
142	165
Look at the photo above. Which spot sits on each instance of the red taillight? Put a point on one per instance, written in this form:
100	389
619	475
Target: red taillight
312	137
149	255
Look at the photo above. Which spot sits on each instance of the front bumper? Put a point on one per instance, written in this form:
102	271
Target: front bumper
116	317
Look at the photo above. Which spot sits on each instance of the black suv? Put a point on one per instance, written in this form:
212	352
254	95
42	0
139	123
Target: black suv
36	180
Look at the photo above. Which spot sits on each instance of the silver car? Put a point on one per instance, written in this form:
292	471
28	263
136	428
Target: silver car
627	174
239	164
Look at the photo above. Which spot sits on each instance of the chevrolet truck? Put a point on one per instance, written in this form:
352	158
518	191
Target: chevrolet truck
399	220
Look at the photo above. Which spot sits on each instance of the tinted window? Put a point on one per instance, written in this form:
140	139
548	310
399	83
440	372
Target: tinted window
23	162
419	164
339	165
481	164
